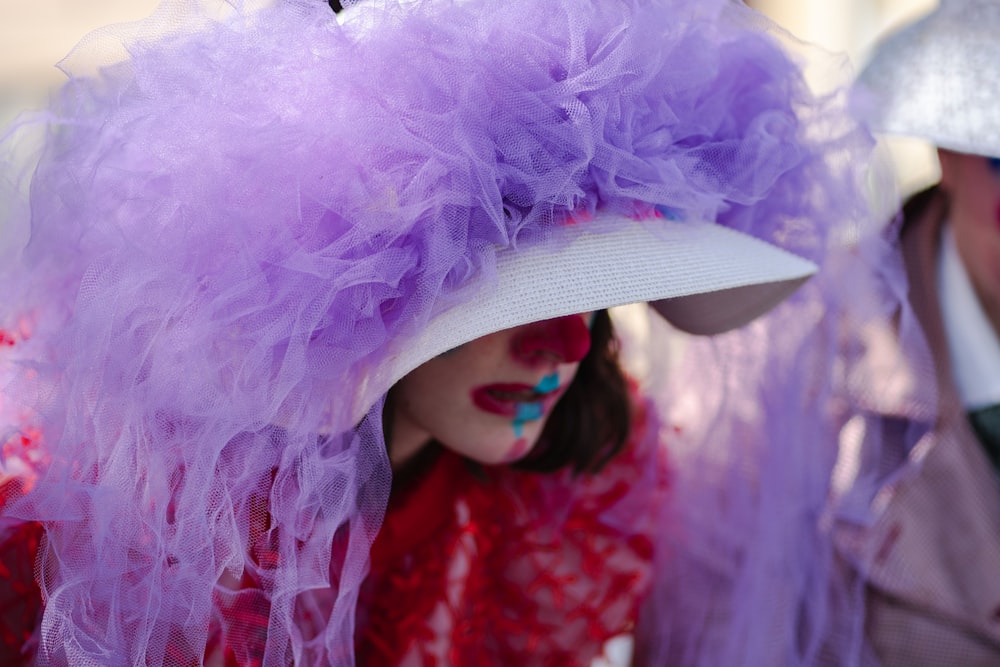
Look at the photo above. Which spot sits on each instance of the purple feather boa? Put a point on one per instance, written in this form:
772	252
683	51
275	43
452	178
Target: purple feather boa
231	231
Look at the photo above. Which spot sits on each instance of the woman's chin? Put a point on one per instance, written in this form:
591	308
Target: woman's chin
499	453
517	451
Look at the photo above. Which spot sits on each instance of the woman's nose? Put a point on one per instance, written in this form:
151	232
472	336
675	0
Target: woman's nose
562	340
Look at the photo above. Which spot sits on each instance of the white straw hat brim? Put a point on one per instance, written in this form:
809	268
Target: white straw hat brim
704	278
939	79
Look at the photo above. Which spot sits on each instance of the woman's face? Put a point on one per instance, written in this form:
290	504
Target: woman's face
973	186
489	399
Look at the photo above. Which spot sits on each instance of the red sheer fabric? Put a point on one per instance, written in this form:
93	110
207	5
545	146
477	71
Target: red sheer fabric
473	565
488	566
20	599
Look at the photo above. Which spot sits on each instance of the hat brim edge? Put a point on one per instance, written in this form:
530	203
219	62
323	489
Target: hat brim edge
702	277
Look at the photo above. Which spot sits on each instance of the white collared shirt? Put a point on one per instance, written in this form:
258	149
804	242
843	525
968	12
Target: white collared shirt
972	343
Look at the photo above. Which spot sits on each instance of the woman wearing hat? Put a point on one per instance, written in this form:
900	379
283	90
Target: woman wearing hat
279	271
931	559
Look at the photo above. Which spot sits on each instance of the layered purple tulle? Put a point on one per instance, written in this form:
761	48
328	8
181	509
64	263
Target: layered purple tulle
230	232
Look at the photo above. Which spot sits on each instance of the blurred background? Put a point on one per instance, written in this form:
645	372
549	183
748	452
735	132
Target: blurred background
852	27
35	35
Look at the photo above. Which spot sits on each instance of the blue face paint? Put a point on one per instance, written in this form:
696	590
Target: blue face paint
526	412
549	383
529	412
994	164
670	213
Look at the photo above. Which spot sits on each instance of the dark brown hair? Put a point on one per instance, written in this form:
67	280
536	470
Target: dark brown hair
591	422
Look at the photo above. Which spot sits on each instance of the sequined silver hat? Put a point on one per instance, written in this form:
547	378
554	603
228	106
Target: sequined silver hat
939	78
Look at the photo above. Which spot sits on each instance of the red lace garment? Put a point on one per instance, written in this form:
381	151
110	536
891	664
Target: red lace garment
20	598
473	566
492	566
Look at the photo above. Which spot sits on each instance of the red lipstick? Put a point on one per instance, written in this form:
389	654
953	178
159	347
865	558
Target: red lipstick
503	398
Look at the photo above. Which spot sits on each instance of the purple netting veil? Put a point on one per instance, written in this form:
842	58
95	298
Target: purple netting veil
228	233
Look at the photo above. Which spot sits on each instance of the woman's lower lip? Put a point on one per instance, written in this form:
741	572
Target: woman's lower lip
490	399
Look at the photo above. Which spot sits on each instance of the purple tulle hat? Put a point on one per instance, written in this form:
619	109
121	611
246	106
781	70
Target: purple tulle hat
235	240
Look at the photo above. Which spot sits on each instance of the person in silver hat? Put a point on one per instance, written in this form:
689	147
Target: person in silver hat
931	561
